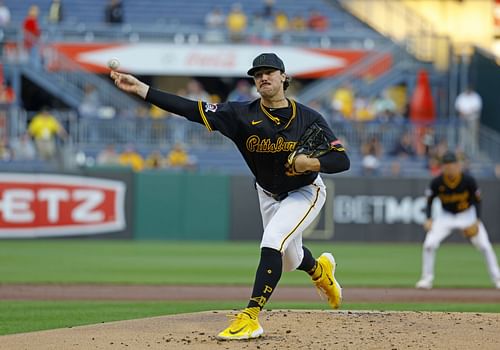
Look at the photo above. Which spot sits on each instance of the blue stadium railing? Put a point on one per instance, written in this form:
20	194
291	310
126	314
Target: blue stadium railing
216	153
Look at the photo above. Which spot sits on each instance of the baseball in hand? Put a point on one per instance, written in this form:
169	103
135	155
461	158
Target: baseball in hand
113	63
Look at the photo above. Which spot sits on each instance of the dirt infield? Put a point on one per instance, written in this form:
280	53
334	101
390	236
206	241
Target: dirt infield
284	329
133	292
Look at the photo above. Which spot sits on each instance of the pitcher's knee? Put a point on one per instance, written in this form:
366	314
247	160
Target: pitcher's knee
430	246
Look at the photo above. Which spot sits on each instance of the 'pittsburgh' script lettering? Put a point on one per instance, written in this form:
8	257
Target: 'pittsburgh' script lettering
255	144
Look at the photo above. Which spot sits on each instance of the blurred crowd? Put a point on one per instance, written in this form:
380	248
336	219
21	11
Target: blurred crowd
265	25
366	121
348	107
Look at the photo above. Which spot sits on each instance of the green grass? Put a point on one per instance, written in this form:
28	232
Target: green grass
129	262
28	316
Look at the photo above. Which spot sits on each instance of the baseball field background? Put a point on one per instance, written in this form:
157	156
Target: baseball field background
125	263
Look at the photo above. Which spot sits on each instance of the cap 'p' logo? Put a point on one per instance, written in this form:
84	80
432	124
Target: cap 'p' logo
261	59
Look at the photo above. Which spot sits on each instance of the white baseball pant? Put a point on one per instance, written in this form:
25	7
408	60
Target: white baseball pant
442	227
284	221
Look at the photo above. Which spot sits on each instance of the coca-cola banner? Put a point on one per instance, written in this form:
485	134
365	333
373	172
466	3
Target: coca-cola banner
214	60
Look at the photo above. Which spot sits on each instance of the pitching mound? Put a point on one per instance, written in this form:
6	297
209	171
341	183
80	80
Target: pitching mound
284	329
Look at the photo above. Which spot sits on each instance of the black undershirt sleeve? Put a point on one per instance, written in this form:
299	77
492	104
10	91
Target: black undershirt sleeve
428	208
334	162
174	104
477	204
476	197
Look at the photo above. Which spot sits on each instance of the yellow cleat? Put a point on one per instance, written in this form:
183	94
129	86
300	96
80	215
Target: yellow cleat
326	283
242	327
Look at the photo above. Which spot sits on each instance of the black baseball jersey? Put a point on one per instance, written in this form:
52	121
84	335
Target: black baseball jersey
456	194
265	137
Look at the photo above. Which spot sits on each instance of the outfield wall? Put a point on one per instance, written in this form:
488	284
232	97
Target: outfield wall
113	203
368	209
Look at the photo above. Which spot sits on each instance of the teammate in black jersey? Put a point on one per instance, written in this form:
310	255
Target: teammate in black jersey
266	131
461	204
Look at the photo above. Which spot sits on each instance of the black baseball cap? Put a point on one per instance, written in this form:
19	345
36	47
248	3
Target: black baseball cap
266	60
449	157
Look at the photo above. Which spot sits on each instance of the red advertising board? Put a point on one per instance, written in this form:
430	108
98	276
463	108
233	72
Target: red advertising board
34	205
220	60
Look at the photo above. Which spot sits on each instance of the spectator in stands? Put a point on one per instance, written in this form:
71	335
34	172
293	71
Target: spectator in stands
428	141
5	151
469	105
215	19
403	147
268	10
384	107
131	158
178	158
363	109
4	15
242	92
23	148
434	166
31	35
56	14
298	23
371	151
317	21
108	156
7	94
261	30
195	91
158	124
155	160
434	157
44	128
236	23
114	12
89	107
281	22
280	26
343	102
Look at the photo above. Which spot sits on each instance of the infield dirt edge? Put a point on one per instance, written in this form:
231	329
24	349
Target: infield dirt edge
284	329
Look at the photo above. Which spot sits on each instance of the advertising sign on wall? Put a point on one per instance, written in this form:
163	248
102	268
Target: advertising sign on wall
363	209
215	60
43	205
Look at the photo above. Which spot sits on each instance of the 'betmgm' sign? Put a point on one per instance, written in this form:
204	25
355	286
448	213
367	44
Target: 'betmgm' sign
379	209
359	212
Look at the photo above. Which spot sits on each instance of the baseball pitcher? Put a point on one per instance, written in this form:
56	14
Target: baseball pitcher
286	145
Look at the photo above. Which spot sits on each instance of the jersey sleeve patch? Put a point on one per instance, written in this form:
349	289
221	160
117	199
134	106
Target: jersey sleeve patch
210	107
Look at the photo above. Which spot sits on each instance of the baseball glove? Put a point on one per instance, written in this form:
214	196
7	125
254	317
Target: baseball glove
313	143
471	231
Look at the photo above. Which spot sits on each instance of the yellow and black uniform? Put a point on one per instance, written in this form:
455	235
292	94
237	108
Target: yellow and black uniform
264	136
456	194
460	200
289	204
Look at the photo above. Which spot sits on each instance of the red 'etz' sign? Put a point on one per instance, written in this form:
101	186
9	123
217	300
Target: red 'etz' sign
59	205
